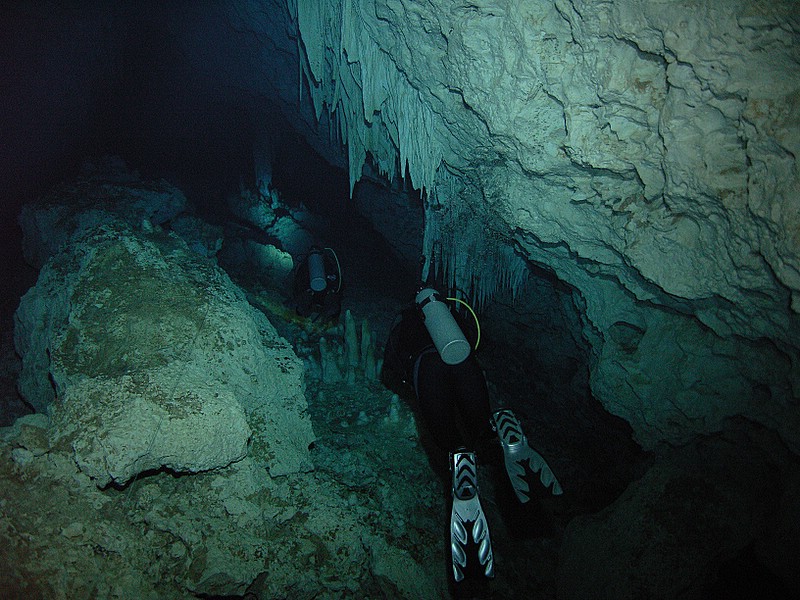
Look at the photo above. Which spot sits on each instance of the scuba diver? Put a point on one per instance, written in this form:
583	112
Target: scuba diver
318	285
429	350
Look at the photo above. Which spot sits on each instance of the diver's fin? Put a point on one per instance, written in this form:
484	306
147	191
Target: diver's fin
467	518
517	452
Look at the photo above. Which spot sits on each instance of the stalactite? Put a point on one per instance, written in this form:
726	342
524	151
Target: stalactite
463	249
378	110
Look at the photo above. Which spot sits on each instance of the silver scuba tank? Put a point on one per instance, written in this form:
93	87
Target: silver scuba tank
447	336
316	271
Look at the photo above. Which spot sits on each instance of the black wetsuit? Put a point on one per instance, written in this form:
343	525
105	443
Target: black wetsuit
324	305
453	400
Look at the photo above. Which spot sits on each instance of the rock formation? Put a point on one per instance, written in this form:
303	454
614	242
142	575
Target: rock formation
147	356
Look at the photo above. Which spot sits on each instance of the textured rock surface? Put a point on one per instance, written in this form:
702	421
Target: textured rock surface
220	533
643	152
146	356
396	216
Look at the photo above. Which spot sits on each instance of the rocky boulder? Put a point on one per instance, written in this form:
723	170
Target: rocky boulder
147	356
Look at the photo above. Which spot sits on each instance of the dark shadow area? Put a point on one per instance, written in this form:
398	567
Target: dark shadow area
304	177
534	353
744	577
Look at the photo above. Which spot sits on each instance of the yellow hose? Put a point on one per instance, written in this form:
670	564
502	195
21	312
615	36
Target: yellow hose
339	267
474	316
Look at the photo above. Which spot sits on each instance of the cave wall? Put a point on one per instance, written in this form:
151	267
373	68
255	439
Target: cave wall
644	152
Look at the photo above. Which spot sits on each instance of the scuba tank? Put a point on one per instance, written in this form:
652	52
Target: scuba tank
447	336
316	270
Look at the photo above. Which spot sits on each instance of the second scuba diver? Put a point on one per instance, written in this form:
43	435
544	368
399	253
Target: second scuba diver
318	285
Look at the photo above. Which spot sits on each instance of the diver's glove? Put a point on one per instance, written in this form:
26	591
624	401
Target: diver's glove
467	510
517	452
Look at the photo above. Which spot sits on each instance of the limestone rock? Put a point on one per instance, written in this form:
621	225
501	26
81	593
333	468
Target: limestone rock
201	237
400	570
147	356
272	264
394	214
221	533
253	208
120	427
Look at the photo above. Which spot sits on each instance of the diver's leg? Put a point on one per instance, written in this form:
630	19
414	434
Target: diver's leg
437	393
331	306
473	398
302	303
436	401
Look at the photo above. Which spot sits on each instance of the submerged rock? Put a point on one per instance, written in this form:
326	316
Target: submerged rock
94	199
147	356
644	154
